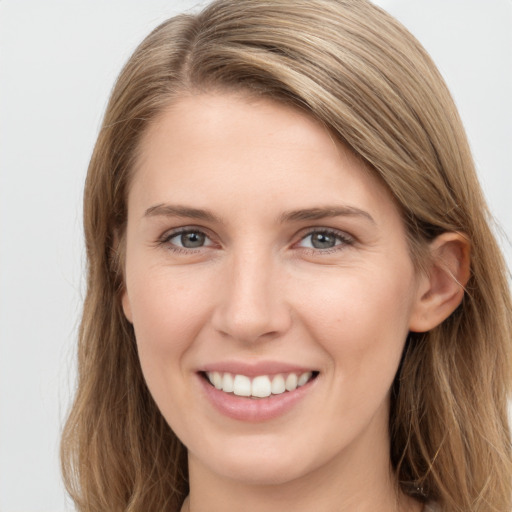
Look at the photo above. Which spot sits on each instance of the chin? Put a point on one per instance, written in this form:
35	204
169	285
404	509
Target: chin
263	462
260	473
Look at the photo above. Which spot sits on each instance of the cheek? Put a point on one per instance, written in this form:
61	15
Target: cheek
361	321
166	313
167	317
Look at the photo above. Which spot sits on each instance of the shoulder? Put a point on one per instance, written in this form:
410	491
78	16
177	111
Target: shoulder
431	507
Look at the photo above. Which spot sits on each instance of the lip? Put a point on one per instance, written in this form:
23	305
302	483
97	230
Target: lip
255	368
250	409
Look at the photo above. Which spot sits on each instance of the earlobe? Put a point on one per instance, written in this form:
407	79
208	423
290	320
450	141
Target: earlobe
440	291
127	309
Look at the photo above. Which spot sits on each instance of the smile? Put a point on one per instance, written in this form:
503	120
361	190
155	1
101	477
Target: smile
260	386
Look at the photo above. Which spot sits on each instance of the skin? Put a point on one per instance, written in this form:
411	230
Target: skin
258	289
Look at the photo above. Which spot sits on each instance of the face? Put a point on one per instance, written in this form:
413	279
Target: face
269	283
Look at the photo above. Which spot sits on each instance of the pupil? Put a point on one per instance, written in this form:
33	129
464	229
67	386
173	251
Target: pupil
323	241
192	240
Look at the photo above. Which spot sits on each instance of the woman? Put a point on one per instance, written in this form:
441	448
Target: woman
294	297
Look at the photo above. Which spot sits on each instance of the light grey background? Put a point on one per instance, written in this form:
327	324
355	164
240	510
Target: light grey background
58	61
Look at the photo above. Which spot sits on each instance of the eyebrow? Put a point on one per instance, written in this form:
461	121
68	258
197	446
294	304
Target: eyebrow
318	213
325	212
168	210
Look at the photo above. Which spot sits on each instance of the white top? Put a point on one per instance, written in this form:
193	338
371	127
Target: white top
431	507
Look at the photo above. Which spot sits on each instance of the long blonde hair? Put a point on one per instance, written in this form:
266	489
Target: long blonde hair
357	70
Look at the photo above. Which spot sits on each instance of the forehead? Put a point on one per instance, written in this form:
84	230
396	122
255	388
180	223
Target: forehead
224	146
216	120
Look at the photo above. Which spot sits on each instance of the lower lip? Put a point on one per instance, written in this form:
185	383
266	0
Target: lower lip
251	409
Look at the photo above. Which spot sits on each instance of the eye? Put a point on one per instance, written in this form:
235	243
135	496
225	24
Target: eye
187	239
324	239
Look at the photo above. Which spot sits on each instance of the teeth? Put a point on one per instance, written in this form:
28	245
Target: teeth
261	386
304	378
217	380
278	385
227	383
242	385
291	382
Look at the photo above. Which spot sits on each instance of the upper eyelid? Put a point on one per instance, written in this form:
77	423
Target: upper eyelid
297	237
170	233
165	238
334	231
304	231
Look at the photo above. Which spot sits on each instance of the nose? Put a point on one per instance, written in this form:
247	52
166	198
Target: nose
251	304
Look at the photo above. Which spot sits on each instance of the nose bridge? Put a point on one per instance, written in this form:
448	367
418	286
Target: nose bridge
252	302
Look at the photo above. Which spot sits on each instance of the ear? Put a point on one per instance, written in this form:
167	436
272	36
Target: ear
441	288
127	308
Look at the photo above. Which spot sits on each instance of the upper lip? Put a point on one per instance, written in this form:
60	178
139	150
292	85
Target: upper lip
255	368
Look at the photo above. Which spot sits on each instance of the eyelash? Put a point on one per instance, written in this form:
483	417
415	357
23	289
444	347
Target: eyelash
165	240
342	240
